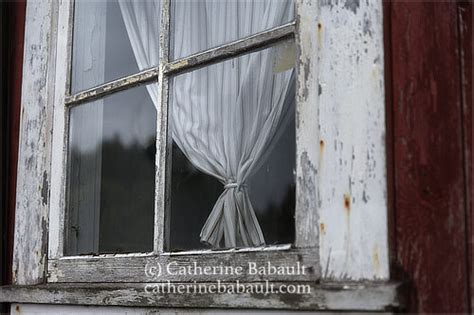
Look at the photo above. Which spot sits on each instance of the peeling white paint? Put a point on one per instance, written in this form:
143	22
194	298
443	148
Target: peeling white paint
341	140
352	169
32	205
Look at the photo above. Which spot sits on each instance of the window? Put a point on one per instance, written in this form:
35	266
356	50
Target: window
82	104
234	150
111	174
179	136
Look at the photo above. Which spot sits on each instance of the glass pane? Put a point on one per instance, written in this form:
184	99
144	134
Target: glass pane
233	168
200	25
113	39
111	173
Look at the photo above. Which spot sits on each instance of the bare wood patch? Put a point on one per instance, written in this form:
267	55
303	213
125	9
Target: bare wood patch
167	267
113	86
380	296
233	49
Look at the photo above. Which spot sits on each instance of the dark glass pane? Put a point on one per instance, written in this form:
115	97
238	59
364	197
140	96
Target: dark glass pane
233	126
200	25
112	174
113	39
272	194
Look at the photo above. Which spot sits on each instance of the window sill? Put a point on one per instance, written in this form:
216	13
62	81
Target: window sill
334	296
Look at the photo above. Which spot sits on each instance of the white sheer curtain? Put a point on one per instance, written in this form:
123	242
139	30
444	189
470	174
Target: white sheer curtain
142	21
225	116
86	125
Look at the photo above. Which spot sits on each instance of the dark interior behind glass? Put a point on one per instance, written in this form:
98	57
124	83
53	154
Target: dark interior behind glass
112	174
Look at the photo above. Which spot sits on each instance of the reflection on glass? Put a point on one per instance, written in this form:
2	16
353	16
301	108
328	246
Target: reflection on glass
200	25
113	39
111	174
233	127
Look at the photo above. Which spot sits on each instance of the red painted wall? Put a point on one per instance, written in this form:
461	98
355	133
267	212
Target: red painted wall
429	102
465	51
16	11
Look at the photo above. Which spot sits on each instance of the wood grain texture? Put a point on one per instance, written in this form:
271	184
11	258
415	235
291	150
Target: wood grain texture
330	296
32	201
166	267
389	137
465	51
114	86
56	228
428	153
164	140
18	309
229	50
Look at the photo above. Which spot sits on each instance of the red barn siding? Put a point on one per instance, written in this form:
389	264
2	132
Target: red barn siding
465	48
430	115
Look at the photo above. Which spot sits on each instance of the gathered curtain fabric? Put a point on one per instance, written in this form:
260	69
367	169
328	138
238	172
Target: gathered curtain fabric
224	117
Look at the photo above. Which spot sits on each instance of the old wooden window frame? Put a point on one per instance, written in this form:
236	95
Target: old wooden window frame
341	160
132	267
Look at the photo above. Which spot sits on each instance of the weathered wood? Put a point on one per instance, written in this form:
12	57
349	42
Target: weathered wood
212	55
341	174
78	309
226	51
155	268
4	163
16	25
465	50
389	136
329	296
351	185
59	147
32	202
58	309
163	139
121	84
428	155
307	122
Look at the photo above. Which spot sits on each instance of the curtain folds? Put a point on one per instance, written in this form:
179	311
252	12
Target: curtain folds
142	21
226	116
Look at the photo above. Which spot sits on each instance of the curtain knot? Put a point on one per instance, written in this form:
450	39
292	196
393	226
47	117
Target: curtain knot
233	184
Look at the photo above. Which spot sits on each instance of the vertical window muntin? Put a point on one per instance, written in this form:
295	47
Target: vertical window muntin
165	71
